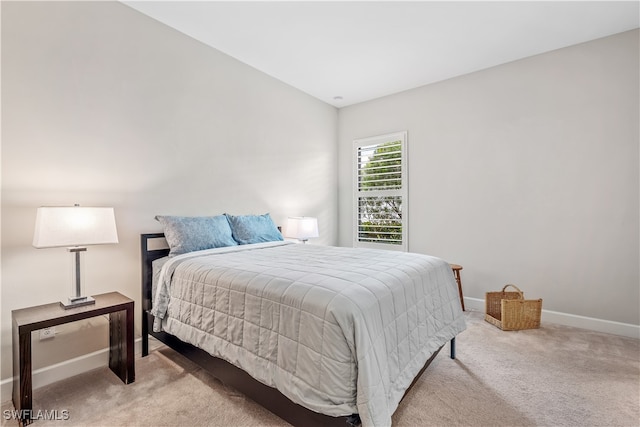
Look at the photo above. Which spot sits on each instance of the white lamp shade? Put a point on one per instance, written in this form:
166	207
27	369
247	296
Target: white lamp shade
302	227
74	226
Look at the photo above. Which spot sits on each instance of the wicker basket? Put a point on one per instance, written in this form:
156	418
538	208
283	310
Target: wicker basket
509	311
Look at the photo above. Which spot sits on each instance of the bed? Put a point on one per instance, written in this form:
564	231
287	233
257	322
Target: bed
318	335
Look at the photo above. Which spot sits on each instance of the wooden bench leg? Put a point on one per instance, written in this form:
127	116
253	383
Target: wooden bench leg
456	273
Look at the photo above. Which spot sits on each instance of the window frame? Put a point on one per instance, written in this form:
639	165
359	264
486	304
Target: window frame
402	192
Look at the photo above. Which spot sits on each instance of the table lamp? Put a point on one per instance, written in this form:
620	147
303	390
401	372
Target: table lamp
75	227
302	228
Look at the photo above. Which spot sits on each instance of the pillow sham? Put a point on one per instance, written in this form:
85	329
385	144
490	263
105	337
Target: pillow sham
195	233
248	229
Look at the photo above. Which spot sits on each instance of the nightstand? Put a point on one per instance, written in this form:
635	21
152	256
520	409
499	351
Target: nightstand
27	320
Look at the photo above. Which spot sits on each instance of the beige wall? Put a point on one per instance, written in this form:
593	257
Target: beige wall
104	106
524	173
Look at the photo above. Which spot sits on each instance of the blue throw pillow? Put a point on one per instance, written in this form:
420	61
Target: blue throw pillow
195	233
253	229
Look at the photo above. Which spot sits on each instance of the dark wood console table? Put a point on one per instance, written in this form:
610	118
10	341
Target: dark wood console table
27	320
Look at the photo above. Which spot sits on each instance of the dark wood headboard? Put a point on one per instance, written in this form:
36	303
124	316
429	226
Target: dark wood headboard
152	247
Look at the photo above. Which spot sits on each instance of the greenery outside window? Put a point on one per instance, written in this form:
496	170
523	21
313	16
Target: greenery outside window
380	184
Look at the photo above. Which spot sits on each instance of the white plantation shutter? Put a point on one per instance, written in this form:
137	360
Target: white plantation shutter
380	185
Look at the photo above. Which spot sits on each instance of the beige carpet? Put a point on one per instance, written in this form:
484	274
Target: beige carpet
552	376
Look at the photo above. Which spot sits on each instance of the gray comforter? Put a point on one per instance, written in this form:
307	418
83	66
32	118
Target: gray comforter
337	330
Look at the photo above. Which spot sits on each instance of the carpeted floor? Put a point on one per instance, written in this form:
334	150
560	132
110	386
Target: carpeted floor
552	376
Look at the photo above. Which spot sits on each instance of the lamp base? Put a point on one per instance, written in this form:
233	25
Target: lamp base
74	302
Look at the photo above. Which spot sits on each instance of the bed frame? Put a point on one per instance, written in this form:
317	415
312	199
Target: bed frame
153	246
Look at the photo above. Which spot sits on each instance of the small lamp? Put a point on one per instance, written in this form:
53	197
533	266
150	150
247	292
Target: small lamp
75	227
302	228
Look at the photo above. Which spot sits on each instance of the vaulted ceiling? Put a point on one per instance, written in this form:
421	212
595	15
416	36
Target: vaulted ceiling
352	51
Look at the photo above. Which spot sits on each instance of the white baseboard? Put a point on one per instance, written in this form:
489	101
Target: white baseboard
78	365
599	325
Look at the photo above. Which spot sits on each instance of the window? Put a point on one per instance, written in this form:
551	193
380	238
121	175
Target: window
380	184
